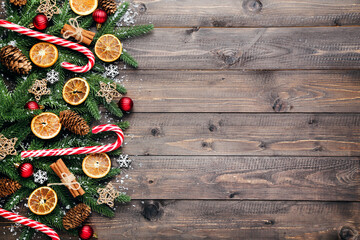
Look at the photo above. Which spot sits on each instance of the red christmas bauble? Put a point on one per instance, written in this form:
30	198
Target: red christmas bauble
32	105
40	22
126	104
26	170
99	16
86	232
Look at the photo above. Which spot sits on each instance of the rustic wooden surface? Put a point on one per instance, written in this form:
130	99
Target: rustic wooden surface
245	125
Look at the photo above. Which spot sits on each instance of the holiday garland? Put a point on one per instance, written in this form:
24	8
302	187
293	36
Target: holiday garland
19	90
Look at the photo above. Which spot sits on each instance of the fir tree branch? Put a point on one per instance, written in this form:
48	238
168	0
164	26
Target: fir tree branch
134	31
27	233
128	59
10	171
92	106
111	174
86	22
123	124
92	203
54	219
112	108
123	198
30	10
17	197
110	24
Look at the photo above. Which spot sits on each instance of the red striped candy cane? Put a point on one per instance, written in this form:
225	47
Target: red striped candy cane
55	40
30	223
82	150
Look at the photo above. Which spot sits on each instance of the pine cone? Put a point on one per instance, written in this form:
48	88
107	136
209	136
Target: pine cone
14	60
109	6
18	2
8	187
76	216
73	122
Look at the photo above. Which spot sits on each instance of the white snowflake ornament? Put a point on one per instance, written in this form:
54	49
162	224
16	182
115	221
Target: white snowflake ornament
40	177
124	161
112	70
52	76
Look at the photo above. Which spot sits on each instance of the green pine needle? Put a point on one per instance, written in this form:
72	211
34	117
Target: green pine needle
128	59
134	31
27	233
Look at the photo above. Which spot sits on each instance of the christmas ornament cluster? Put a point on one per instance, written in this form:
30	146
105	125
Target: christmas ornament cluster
44	106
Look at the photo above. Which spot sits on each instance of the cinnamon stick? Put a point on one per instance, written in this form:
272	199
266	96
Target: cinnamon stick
64	169
59	168
58	172
87	36
62	165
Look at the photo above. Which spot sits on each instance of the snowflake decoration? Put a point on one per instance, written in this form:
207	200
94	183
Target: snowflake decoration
40	177
39	88
107	195
108	91
124	161
112	70
7	146
52	76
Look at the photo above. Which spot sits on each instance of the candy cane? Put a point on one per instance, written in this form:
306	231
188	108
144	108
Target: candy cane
82	150
59	41
30	223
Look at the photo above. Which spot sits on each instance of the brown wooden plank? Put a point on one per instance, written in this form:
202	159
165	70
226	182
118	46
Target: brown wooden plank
248	13
243	134
239	91
249	48
234	177
228	220
225	220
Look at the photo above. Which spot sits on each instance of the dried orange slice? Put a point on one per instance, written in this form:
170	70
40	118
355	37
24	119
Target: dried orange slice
83	7
44	54
108	48
96	165
75	91
46	125
42	201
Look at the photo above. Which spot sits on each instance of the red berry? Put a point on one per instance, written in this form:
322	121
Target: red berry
86	232
126	104
26	170
40	22
32	105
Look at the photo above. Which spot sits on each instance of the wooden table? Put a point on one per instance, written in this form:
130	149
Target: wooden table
246	122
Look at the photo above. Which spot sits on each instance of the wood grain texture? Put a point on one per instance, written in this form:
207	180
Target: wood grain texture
229	220
248	13
234	177
249	48
239	91
252	220
243	134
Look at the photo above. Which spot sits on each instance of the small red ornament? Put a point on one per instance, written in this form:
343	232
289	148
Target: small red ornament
26	170
86	232
126	104
40	22
99	16
32	105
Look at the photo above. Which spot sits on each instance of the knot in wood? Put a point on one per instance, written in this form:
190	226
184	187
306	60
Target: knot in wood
142	8
155	132
252	6
152	210
229	56
212	128
348	233
280	106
